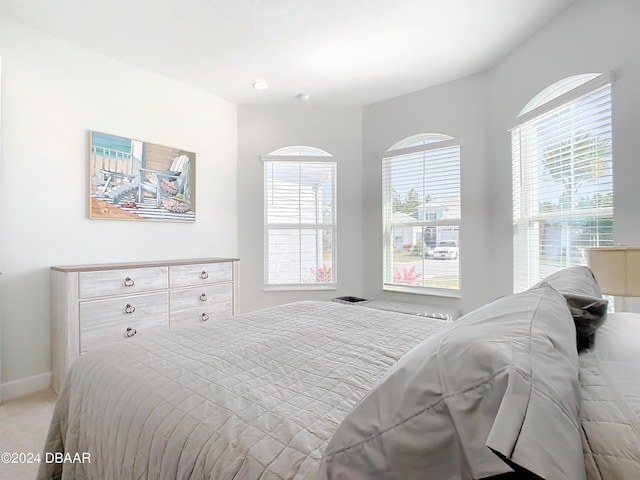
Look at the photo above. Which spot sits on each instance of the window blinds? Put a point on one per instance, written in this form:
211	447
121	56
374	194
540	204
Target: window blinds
562	183
300	223
421	208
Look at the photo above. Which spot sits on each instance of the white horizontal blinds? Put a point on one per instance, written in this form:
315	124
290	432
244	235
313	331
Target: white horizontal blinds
421	207
562	185
300	222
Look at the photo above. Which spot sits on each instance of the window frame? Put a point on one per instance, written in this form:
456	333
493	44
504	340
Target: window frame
565	93
303	155
417	144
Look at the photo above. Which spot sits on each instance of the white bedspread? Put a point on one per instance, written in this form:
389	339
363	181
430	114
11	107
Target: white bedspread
626	378
618	348
254	396
610	429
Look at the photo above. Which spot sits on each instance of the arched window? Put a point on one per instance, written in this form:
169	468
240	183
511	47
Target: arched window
562	177
300	151
299	219
556	90
421	215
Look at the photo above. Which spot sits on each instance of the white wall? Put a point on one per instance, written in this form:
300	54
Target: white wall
591	36
457	109
263	129
52	94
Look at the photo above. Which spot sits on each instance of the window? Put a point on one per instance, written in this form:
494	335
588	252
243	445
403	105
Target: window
421	215
300	219
562	177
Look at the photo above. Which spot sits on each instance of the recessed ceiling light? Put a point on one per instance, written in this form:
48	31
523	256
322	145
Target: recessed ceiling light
260	85
303	97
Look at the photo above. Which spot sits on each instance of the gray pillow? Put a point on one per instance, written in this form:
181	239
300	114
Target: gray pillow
499	388
588	308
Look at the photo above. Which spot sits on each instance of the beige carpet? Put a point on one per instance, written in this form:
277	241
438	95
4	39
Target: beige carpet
23	427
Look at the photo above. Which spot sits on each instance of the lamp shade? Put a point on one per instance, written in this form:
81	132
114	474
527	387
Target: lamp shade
617	270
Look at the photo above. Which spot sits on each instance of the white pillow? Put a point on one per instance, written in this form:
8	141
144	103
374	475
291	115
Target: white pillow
502	383
578	280
618	339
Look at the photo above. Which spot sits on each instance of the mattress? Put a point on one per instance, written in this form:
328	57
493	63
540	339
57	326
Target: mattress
253	396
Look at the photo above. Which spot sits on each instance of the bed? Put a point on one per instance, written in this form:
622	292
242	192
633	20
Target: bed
321	390
256	396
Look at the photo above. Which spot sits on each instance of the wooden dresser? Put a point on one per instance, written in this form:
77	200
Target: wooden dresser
93	305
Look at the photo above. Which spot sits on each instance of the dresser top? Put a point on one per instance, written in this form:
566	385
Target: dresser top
159	263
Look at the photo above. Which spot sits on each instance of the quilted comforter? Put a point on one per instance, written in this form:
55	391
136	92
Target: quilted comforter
255	396
610	429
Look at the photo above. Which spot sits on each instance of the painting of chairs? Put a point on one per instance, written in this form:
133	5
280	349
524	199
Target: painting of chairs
136	180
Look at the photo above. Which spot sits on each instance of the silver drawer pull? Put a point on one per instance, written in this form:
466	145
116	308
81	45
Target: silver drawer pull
128	282
204	275
203	297
129	308
131	331
204	317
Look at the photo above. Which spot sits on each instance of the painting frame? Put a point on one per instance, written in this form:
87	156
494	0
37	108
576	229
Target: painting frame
132	179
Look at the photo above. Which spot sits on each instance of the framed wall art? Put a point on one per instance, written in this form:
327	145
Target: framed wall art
136	180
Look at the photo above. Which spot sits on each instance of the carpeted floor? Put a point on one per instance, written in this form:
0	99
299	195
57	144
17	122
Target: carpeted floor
23	427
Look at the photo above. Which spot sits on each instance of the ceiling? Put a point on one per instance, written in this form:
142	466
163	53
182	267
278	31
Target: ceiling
340	52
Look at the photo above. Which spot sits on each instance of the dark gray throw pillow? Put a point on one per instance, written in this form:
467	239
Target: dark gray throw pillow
588	314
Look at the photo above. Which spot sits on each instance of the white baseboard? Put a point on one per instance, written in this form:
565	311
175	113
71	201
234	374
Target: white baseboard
24	386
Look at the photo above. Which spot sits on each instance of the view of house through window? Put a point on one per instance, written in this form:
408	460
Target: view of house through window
421	215
562	177
300	219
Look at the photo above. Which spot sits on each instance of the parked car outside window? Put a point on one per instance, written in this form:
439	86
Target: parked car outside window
446	250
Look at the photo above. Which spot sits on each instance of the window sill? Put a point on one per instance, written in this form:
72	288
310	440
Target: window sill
434	292
286	288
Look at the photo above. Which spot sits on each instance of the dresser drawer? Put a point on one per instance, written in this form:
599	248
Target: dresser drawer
94	304
92	338
122	281
203	314
199	274
205	295
99	313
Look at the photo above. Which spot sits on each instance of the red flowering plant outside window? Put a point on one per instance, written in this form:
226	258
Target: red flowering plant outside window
406	276
322	274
